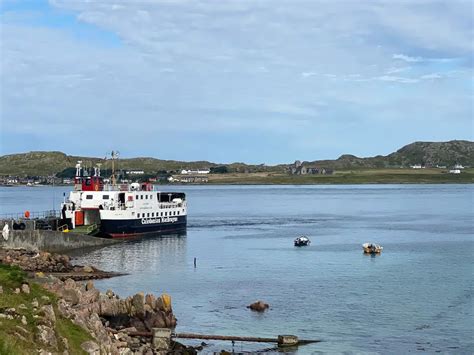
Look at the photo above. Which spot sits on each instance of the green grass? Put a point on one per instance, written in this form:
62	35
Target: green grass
12	277
74	334
355	176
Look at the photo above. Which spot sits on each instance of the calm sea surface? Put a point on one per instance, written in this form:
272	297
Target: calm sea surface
418	295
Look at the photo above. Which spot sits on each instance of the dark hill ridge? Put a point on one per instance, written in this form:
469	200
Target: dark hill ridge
427	153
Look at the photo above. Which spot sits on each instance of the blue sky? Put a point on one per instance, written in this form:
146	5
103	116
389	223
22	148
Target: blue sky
234	80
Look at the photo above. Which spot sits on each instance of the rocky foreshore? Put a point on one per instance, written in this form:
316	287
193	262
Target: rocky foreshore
116	325
57	265
110	319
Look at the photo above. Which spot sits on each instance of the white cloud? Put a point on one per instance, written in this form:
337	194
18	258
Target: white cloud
407	58
431	76
205	66
397	79
394	70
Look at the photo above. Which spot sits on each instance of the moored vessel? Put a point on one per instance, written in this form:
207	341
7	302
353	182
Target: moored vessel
302	241
372	248
121	210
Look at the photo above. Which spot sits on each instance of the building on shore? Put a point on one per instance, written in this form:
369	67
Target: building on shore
199	171
299	168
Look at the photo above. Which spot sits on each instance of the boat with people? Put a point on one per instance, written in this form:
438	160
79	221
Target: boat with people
372	248
116	210
302	241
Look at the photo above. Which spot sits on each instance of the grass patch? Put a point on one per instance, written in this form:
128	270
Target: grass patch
17	338
74	334
353	176
11	276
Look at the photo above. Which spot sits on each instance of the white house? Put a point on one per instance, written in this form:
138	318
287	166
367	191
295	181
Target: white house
135	172
186	172
455	171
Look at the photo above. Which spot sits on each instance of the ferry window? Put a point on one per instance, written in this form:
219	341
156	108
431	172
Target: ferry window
105	197
148	214
153	214
166	213
138	215
151	196
161	214
89	197
178	213
146	197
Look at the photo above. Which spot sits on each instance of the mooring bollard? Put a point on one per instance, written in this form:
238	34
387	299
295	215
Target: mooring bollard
287	340
161	339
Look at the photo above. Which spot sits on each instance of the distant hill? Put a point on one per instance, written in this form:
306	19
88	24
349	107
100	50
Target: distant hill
49	163
425	153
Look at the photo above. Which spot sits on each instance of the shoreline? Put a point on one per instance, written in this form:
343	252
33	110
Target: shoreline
43	311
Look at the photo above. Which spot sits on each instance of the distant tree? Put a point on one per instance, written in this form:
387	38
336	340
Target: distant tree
221	169
67	173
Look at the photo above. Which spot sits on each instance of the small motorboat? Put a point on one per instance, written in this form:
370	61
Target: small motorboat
372	248
302	241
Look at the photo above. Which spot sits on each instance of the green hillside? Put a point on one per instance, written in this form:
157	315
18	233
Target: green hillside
425	153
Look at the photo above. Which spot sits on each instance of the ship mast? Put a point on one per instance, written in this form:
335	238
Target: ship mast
114	155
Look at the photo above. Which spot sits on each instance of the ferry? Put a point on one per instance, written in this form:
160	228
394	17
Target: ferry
115	210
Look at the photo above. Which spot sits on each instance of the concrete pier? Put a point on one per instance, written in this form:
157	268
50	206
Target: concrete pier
161	338
51	241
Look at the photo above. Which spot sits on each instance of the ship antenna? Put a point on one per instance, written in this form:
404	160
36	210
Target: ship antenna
114	155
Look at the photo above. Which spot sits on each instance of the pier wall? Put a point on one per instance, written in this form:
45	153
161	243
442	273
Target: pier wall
51	241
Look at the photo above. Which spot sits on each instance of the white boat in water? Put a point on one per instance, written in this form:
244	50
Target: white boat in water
372	248
302	241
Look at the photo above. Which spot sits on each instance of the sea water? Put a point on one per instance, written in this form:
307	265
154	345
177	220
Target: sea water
416	296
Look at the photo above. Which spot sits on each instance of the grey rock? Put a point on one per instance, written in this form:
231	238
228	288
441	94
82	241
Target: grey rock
48	314
25	288
259	306
90	347
89	285
46	336
87	269
71	295
138	304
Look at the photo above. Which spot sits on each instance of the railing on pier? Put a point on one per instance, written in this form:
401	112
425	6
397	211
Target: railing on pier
32	215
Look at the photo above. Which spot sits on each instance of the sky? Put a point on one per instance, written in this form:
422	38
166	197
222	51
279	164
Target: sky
261	81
